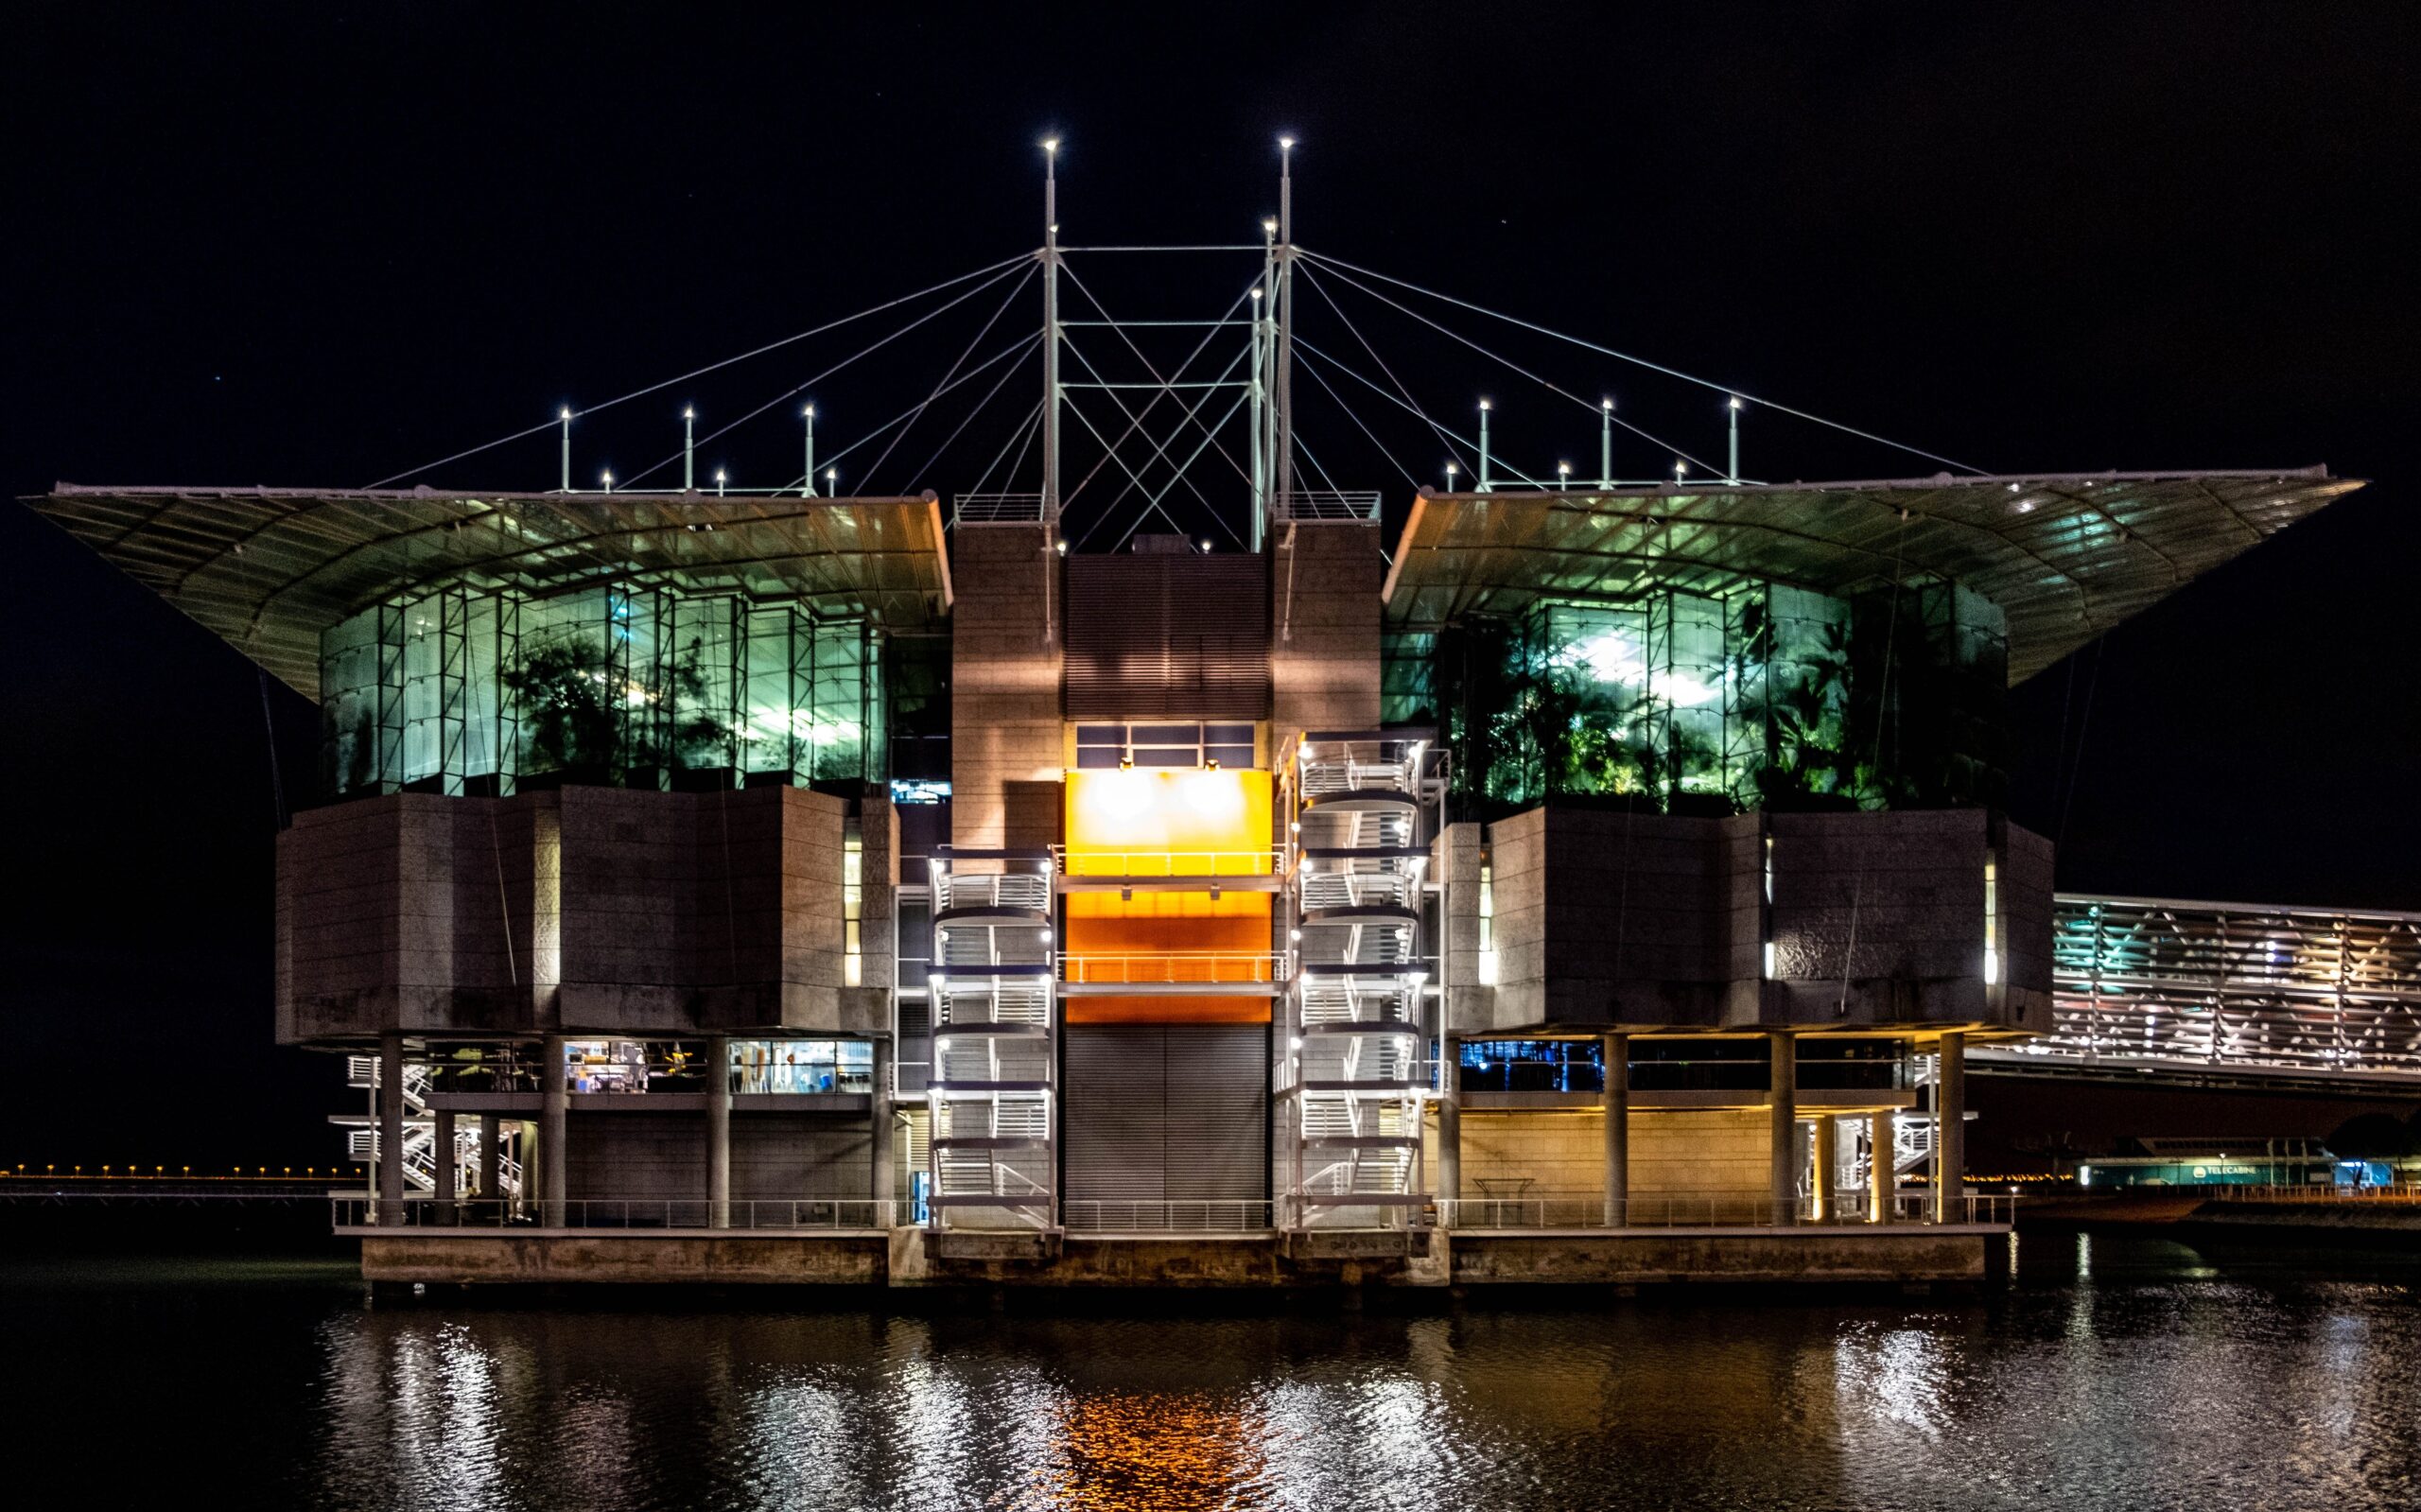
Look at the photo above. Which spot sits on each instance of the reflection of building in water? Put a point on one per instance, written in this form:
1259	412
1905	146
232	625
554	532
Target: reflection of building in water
1142	1453
1523	860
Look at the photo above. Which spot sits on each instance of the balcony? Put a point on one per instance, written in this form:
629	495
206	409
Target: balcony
1193	973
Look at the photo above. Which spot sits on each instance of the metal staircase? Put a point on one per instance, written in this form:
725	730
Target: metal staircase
1353	1082
420	1133
992	1153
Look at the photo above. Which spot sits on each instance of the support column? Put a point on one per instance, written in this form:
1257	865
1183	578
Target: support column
554	1110
491	1167
1950	1132
1783	1097
1614	1102
441	1156
878	1129
1883	1179
391	1130
1828	1167
718	1133
1450	1119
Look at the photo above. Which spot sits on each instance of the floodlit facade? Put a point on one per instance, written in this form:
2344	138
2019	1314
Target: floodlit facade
894	900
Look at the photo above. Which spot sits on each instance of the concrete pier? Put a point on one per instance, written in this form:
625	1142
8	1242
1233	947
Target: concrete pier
390	1129
1614	1103
908	1257
1950	1130
1783	1098
719	1132
554	1110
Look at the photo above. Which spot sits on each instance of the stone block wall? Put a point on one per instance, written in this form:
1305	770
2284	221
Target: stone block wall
588	910
1561	1151
1324	609
1005	749
1643	921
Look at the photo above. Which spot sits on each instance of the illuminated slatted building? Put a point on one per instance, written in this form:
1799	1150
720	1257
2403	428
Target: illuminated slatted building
1573	882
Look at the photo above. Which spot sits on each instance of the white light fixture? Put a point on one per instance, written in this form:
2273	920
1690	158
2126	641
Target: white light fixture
1731	404
1050	144
1063	549
566	413
1296	1043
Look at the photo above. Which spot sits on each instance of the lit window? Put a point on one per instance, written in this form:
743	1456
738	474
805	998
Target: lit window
853	904
1487	926
1992	924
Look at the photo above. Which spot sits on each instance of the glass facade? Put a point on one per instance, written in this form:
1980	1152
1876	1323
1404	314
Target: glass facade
467	690
1769	697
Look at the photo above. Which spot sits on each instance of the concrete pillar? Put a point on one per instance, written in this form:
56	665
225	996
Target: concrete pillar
491	1167
1784	1099
878	1129
440	1152
554	1112
1950	1132
1616	1103
1450	1119
390	1129
1882	1179
1828	1167
718	1133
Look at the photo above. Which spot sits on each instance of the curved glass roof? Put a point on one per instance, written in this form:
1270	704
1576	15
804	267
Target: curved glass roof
2065	557
268	569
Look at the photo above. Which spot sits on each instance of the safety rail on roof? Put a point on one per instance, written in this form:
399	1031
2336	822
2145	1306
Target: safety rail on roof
1334	504
995	508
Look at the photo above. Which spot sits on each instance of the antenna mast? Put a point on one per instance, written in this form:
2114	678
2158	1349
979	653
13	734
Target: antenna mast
1050	332
1283	295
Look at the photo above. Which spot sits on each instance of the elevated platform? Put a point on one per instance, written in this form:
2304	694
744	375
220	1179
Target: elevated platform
908	1257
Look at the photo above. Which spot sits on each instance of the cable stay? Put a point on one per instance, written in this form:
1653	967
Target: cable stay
711	367
1342	267
1544	383
854	357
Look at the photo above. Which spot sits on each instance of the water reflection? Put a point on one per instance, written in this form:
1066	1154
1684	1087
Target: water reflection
2118	1374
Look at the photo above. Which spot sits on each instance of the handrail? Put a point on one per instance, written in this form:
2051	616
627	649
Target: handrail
786	1215
1265	861
1712	1210
1173	967
1205	1216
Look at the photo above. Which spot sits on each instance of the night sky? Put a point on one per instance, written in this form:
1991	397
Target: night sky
314	244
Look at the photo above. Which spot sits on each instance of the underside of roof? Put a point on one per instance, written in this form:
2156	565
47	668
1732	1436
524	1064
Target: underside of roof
2065	557
268	569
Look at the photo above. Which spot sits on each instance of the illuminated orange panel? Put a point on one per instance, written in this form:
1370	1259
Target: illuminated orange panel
1168	824
1184	823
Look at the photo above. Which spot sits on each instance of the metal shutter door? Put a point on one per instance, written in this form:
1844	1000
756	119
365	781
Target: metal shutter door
1114	1107
1218	1121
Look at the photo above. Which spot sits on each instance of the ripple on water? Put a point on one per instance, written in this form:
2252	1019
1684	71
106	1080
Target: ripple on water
2112	1376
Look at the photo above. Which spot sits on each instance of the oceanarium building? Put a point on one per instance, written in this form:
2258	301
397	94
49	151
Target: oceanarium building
1572	884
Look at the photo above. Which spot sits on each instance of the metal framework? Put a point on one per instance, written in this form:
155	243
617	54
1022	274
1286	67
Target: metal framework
1351	1083
2235	987
2065	557
269	570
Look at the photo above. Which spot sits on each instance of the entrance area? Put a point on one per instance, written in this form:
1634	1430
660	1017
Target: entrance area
1167	1128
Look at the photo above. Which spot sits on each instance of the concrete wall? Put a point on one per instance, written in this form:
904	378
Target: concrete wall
1562	1152
777	1157
1324	612
1642	921
1005	756
588	910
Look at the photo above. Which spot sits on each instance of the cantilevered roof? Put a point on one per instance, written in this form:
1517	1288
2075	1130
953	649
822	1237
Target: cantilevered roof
269	568
2065	557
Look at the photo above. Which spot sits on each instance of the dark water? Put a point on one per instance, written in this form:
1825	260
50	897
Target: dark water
2108	1373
